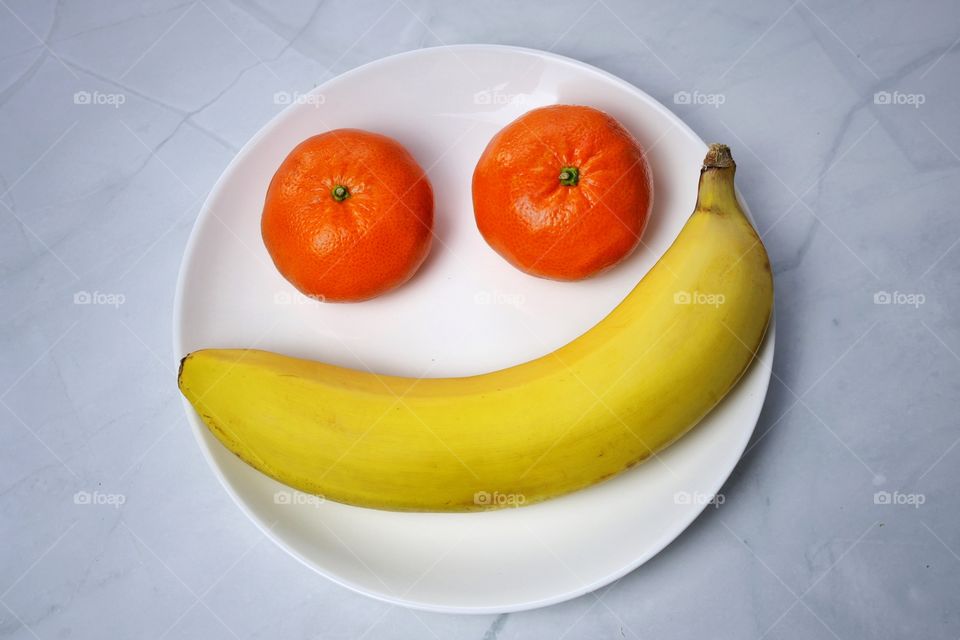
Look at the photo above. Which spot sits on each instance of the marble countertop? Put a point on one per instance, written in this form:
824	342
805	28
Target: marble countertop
840	520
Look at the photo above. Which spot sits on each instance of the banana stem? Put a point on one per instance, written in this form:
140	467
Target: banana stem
718	157
716	190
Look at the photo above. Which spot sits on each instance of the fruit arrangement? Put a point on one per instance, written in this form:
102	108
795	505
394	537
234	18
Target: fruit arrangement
661	361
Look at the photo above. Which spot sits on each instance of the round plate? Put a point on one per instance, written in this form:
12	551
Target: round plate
466	312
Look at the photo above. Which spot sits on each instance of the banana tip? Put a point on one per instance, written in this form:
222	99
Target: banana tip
183	361
718	157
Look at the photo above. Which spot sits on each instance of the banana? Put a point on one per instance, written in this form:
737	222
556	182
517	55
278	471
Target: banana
625	389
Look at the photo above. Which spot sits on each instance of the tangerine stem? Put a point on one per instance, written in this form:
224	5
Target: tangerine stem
340	193
569	176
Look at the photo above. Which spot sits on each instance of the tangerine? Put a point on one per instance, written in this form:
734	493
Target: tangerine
348	216
563	192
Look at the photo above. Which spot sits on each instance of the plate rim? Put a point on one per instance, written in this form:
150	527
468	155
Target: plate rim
189	254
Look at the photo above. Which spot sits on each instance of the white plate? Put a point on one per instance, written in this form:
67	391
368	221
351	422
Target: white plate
467	311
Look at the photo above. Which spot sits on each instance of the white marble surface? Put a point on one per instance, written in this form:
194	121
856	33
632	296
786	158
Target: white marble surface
853	196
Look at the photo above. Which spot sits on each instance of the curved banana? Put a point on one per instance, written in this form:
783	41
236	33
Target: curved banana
619	393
